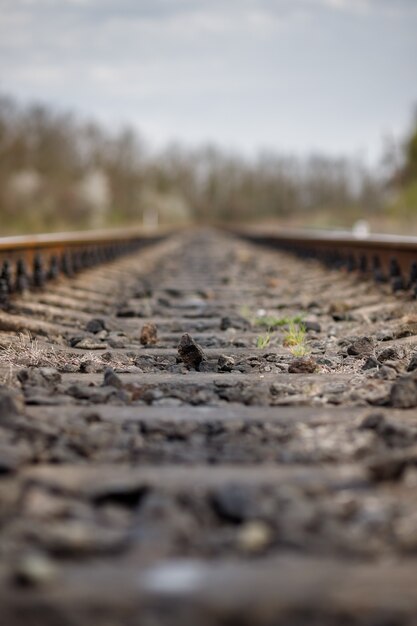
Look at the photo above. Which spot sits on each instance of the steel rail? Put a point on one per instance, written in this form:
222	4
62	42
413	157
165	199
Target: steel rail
28	262
385	258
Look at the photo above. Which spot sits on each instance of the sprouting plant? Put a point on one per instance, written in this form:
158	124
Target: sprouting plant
295	339
270	321
300	350
247	314
263	341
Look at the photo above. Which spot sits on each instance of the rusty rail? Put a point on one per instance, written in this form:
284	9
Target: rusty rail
385	258
28	262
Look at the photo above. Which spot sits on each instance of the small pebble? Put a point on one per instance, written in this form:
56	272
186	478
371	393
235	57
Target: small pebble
302	366
225	363
95	325
34	569
149	334
254	537
111	379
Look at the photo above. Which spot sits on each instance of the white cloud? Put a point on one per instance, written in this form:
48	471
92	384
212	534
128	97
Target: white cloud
243	71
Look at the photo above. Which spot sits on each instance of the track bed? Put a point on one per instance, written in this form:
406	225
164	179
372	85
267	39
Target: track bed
256	487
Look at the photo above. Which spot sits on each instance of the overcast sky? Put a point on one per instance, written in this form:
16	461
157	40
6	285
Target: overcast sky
290	75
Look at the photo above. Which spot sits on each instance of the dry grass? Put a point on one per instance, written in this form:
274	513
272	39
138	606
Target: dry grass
24	351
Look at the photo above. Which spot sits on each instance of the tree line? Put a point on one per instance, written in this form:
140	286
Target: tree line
58	171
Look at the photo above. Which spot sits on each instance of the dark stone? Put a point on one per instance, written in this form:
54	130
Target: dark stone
95	325
389	354
370	363
232	503
9	459
11	403
413	363
385	373
126	312
387	467
43	397
373	421
126	495
39	376
93	394
362	346
111	379
207	366
313	326
234	321
74	339
190	352
302	365
403	393
90	367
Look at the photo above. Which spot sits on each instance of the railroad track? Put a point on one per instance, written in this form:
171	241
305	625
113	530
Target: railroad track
383	258
208	431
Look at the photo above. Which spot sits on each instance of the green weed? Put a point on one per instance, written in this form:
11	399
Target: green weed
271	322
263	341
295	339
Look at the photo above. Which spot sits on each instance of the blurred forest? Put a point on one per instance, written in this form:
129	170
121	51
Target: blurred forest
58	172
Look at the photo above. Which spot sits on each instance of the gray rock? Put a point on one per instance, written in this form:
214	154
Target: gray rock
413	363
93	394
234	321
282	389
11	403
111	379
310	325
225	363
362	346
385	373
232	503
372	421
389	354
385	335
39	376
95	325
403	394
370	363
392	433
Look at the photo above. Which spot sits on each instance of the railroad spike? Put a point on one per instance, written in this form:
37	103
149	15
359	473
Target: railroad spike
22	280
39	276
363	263
53	271
351	263
75	261
66	264
4	294
6	275
378	274
413	274
398	284
394	268
397	280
